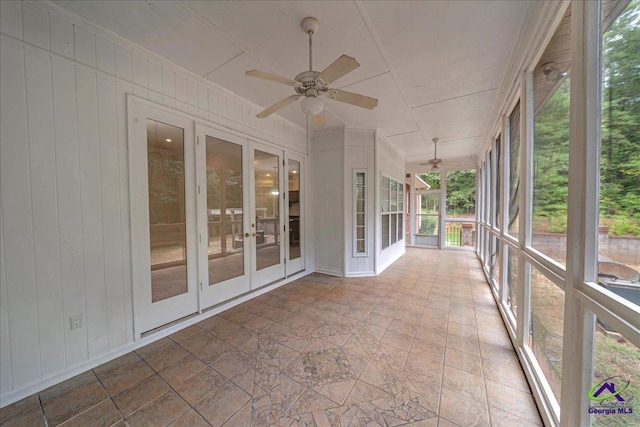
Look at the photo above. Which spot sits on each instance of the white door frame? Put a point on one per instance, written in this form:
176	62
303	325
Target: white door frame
275	272
298	264
148	315
215	294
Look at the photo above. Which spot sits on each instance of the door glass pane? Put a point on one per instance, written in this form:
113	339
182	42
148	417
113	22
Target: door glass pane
167	216
294	209
267	198
224	210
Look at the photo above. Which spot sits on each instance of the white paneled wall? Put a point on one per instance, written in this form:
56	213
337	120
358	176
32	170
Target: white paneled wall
359	154
390	162
64	230
328	202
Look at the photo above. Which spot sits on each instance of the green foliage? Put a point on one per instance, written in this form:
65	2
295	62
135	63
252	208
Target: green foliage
620	138
461	192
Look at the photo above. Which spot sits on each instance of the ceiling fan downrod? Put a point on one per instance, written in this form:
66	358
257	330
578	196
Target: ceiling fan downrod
310	25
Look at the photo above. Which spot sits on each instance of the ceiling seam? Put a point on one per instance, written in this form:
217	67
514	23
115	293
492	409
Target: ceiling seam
456	97
367	22
225	63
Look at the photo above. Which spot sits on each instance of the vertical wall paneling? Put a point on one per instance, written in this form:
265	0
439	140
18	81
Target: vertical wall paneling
168	82
61	36
85	46
5	341
122	89
16	217
110	189
69	206
44	204
65	219
181	87
90	189
11	18
124	63
35	23
105	55
155	76
140	74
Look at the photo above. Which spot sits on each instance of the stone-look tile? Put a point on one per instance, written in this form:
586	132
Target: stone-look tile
74	402
499	339
104	414
463	411
323	351
426	349
31	419
165	356
185	333
433	336
397	340
237	367
463	345
199	385
222	403
65	387
463	361
379	320
159	412
19	409
500	418
507	373
514	401
183	369
192	419
123	373
462	382
139	395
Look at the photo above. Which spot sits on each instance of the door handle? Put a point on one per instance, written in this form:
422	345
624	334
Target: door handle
253	234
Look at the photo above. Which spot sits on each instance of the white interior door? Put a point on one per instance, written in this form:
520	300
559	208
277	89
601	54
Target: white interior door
267	212
163	216
223	204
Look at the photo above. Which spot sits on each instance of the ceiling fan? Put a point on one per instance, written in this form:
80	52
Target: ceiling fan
435	162
310	85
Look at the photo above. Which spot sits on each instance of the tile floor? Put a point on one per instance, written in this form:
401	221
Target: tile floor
421	345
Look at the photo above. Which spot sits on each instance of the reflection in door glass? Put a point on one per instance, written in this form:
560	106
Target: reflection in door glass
267	198
294	209
167	218
224	210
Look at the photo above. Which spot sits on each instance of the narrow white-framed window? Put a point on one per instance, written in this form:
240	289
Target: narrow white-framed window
359	213
392	211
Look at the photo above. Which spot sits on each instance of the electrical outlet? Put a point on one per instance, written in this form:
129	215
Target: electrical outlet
76	321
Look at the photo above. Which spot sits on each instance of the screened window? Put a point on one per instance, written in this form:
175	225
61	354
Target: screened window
514	171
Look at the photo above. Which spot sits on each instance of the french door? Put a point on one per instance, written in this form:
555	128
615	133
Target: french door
209	220
163	217
240	208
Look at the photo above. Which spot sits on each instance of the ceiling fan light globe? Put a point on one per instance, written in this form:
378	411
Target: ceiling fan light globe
311	105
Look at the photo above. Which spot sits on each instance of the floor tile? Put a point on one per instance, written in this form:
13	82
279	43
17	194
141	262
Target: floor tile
75	401
104	414
140	394
19	409
160	411
31	419
403	348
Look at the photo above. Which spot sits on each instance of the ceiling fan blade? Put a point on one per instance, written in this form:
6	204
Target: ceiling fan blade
269	76
278	105
352	98
319	120
341	66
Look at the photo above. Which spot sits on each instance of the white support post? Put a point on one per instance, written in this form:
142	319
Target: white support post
412	209
504	202
582	221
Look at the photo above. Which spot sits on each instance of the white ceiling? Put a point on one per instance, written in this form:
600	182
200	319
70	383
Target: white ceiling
435	66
